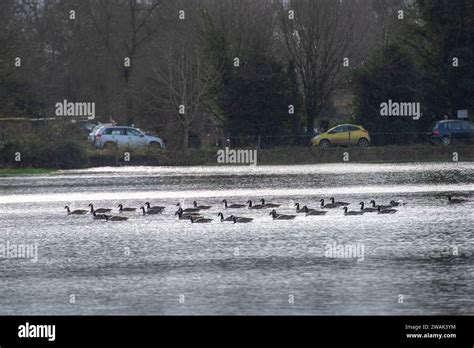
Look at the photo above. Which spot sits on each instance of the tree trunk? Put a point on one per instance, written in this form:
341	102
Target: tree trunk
311	111
129	107
185	137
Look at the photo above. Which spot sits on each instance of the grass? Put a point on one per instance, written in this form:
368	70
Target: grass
285	155
25	171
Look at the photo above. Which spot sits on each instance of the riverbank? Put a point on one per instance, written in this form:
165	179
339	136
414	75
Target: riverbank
295	155
24	171
272	156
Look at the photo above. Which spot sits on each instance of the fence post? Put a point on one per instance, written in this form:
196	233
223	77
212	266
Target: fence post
116	154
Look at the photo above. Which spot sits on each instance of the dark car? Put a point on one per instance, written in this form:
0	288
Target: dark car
452	131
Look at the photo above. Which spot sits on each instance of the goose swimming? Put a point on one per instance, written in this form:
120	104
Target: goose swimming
313	212
99	216
380	210
367	210
75	212
201	206
229	218
352	212
233	206
257	206
339	204
150	211
455	200
115	218
241	219
121	208
185	216
199	220
269	205
187	210
277	216
156	207
328	206
100	210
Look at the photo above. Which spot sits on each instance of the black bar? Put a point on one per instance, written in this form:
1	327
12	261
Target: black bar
260	330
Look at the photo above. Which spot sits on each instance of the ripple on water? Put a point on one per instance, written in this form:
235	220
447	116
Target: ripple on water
142	265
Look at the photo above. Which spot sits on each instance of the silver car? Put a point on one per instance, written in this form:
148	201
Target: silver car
95	129
122	136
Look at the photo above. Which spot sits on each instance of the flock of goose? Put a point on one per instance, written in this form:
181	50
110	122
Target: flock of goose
194	213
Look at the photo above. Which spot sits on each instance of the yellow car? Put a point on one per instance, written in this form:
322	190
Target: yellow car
343	134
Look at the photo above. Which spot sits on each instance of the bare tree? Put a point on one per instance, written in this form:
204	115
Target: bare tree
319	35
183	80
125	27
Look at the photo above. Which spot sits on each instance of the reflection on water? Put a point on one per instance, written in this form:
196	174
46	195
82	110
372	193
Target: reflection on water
142	266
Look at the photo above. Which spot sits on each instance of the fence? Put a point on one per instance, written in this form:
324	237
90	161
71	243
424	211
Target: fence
377	139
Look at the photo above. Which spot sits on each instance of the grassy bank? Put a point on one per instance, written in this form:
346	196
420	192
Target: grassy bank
91	157
24	171
385	154
291	155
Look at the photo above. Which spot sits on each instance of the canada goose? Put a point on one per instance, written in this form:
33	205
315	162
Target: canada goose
99	216
257	206
121	208
455	200
201	206
199	220
233	206
115	218
327	206
397	203
339	204
277	216
269	205
381	206
241	219
367	210
380	210
185	216
156	207
75	212
313	212
187	210
100	210
352	212
304	209
150	211
229	219
193	214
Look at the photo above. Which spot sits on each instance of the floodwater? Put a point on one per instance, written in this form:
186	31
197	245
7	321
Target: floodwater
418	261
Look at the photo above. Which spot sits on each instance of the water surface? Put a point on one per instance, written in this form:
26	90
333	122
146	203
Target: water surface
149	264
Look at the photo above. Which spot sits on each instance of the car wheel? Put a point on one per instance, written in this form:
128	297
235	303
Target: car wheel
363	142
154	145
324	143
110	145
445	140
